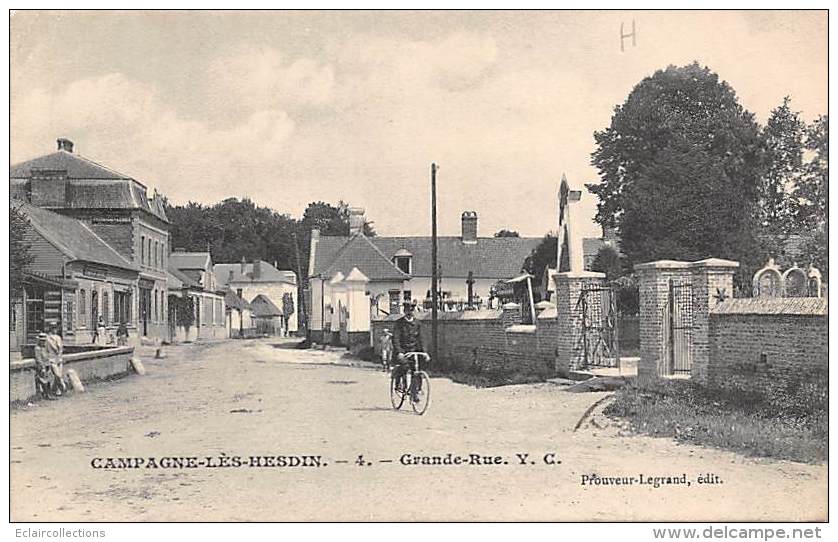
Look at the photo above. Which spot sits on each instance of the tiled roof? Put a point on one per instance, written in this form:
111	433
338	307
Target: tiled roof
233	301
803	306
489	257
90	185
358	251
190	260
77	167
173	282
267	273
185	279
72	237
262	306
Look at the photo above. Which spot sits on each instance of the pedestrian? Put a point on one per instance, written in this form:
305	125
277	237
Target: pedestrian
55	351
100	333
122	334
43	373
386	343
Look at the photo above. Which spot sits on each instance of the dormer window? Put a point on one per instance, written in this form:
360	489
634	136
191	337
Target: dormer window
404	261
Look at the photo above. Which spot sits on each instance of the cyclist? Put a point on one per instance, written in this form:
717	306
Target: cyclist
406	339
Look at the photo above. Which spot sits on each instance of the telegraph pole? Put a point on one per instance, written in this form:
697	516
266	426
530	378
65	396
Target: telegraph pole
435	271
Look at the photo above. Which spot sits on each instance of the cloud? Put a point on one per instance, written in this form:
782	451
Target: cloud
256	78
126	124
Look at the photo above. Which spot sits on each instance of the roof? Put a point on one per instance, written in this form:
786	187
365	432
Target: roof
359	251
72	237
76	166
267	273
262	306
799	306
172	281
186	280
91	185
190	260
489	257
233	301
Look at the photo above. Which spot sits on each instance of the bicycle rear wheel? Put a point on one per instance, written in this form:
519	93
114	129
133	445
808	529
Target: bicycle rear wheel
396	396
420	395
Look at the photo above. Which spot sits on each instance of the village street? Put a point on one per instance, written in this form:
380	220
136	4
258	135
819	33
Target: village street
264	398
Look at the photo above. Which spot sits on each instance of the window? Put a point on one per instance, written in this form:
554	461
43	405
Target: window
149	251
239	292
106	308
403	263
407	295
82	307
394	301
154	309
69	313
122	307
142	249
156	252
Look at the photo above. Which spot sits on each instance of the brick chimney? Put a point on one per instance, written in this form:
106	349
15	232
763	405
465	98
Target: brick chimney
244	265
356	220
469	219
257	268
64	144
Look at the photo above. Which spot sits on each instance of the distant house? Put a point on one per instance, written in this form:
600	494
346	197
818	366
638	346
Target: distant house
398	269
74	278
194	271
251	279
239	313
267	317
119	210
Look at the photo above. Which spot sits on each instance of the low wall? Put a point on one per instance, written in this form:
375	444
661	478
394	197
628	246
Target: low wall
480	341
772	347
91	366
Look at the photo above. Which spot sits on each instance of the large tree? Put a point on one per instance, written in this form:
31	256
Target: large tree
19	255
783	136
680	169
810	197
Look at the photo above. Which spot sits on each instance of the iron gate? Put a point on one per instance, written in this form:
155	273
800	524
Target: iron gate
680	327
600	338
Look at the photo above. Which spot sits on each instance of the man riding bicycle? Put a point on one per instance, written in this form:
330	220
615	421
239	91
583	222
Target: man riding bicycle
406	339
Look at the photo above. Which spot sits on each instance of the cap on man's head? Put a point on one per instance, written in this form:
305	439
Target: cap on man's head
42	336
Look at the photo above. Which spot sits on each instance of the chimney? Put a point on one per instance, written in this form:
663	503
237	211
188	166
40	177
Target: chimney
257	268
469	227
65	144
244	265
230	277
356	220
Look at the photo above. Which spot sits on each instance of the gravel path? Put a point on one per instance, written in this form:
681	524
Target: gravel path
243	399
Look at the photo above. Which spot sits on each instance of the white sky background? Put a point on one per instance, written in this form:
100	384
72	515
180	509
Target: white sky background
288	108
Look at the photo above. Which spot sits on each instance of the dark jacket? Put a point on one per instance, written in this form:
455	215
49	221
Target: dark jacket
407	337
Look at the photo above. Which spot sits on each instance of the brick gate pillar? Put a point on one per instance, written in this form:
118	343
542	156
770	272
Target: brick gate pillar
654	279
569	353
712	281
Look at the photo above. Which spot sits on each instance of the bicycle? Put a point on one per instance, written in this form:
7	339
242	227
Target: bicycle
418	386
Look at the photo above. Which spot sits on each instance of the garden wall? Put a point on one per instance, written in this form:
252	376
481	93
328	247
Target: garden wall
769	346
486	341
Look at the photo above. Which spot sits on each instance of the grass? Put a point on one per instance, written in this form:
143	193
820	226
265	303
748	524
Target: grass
791	425
488	379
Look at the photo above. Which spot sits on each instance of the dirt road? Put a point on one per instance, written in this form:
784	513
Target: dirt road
249	402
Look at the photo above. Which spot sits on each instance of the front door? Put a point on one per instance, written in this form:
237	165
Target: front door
145	309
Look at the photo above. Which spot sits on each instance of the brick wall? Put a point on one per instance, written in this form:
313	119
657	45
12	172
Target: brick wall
769	347
480	341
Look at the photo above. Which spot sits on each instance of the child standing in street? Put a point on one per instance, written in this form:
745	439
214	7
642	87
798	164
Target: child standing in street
386	341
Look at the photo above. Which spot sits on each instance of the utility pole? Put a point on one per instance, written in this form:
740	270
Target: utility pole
434	273
301	298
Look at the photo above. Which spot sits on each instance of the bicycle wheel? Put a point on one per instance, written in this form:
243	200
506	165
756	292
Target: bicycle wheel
420	399
396	396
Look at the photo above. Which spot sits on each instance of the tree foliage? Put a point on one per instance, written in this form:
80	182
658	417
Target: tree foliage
506	233
810	196
542	257
783	137
608	261
680	167
19	255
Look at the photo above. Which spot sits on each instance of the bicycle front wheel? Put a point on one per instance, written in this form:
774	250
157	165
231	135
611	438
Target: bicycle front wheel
396	395
420	394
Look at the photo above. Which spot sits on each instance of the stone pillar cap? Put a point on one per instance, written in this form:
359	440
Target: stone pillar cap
662	264
579	275
715	262
510	305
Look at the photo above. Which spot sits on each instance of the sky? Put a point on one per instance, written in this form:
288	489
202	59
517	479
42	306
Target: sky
292	107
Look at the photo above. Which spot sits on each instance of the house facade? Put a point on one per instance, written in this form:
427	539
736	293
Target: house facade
251	279
398	270
118	210
206	297
74	278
